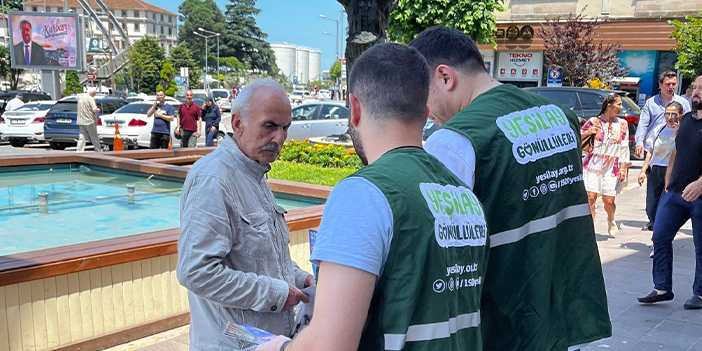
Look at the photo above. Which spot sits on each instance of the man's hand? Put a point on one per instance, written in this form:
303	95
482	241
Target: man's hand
310	281
639	151
692	191
642	177
212	129
177	130
294	297
197	134
273	345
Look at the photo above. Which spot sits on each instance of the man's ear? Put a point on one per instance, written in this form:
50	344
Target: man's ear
355	105
237	124
445	77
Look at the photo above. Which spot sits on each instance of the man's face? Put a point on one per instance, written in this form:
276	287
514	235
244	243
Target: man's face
697	94
161	96
668	86
27	33
356	137
189	96
268	122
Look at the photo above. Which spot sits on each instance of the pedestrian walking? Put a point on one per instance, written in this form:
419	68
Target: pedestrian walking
657	159
212	116
604	169
652	117
163	115
15	103
681	202
188	124
87	121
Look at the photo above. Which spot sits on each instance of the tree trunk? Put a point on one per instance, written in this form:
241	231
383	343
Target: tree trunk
368	23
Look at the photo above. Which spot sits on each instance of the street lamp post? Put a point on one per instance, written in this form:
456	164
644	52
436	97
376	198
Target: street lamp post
216	34
206	54
337	33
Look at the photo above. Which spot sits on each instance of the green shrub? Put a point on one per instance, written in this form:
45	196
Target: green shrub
332	156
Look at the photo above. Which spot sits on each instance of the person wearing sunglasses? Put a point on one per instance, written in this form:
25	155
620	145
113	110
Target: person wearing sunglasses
681	202
658	157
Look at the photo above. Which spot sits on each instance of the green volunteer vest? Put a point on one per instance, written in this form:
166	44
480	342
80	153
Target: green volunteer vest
428	296
544	288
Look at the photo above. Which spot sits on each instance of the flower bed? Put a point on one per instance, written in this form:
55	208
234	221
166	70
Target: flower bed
332	156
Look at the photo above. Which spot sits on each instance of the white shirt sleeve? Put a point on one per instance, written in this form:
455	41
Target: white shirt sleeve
455	151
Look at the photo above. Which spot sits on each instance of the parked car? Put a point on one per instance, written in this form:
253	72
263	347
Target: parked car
324	94
318	119
587	103
27	96
25	124
135	127
223	97
61	127
298	96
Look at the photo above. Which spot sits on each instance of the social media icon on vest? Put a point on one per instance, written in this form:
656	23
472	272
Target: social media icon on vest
439	286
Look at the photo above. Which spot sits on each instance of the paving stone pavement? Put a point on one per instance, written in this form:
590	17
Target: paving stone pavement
627	271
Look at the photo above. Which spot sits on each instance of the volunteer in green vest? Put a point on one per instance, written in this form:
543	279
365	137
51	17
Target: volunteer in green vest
402	246
521	155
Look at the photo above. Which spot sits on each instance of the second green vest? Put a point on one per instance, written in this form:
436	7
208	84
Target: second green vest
428	296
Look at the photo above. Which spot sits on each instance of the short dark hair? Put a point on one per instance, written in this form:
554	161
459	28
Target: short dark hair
448	46
677	105
667	74
160	91
392	81
23	22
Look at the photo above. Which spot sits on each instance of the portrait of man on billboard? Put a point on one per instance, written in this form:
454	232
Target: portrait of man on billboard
44	40
28	52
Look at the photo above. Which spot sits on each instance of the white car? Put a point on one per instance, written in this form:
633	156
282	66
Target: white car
223	97
318	119
324	94
298	96
135	128
25	124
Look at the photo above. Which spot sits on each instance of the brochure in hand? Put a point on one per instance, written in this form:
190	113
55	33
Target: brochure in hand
248	333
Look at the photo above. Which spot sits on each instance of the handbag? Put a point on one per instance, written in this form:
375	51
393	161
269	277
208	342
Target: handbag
588	143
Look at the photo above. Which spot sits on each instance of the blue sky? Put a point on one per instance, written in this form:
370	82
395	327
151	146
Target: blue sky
292	21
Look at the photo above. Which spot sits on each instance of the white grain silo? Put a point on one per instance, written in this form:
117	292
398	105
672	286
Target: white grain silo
315	64
285	59
303	65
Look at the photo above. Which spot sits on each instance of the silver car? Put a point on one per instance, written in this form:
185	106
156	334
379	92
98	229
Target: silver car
318	119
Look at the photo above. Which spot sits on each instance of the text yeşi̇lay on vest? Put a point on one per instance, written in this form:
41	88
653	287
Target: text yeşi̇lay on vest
428	296
544	289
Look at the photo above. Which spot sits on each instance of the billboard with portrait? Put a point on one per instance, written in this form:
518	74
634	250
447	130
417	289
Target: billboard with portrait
45	40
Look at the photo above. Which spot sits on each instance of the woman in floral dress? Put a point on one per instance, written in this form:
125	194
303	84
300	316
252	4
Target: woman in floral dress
604	169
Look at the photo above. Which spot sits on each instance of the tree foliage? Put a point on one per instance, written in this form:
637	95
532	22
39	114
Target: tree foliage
146	58
335	71
195	14
570	44
6	71
243	39
167	84
688	36
12	5
181	56
72	83
474	17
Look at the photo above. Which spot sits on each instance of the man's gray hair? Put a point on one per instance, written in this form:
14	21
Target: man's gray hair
242	103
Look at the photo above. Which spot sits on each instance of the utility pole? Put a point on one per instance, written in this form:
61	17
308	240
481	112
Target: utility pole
112	63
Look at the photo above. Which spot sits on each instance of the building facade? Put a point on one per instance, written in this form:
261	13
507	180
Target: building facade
640	26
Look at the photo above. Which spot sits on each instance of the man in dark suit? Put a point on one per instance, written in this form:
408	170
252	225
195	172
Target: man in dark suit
28	52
